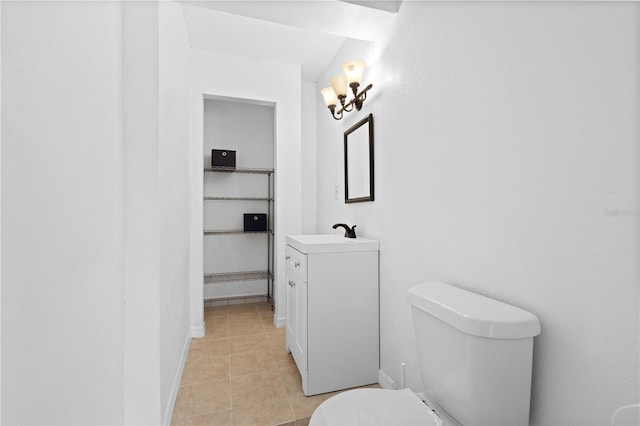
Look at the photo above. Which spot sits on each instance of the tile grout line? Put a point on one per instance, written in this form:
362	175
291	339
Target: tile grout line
229	364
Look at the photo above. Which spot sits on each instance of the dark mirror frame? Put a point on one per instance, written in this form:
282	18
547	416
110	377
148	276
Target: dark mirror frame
347	199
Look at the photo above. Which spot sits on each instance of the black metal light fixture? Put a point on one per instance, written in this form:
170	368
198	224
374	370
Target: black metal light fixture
337	91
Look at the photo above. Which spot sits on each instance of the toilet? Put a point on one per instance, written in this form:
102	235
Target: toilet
475	356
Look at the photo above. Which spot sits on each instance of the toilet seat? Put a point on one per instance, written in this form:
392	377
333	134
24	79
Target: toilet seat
374	407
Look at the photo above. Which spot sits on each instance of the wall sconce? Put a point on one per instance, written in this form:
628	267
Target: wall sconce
337	91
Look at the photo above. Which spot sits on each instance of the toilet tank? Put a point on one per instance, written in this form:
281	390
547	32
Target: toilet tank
475	355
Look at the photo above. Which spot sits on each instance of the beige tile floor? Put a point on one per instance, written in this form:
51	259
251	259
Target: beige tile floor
241	374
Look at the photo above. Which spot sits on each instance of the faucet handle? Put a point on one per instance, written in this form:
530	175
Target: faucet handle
349	232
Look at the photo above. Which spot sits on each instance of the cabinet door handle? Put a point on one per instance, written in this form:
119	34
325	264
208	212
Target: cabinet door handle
287	257
292	284
296	264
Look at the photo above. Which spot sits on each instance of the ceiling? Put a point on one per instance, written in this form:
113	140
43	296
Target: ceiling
305	32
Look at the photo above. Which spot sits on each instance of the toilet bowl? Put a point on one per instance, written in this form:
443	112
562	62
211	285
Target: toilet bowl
475	356
374	407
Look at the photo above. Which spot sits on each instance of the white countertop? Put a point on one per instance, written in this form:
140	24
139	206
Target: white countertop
331	243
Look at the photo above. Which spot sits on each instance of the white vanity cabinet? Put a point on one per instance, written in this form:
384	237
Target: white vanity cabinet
332	326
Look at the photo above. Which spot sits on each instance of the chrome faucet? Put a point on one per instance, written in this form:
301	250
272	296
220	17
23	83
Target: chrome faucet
348	232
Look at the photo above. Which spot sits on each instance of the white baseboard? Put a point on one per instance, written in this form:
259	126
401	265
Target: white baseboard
280	322
385	381
198	330
168	412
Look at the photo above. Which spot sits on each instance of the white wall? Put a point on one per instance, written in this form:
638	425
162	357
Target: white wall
155	70
141	212
330	154
62	313
229	76
309	154
507	163
175	333
94	245
0	218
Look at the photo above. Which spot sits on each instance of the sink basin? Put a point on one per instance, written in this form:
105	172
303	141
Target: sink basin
330	243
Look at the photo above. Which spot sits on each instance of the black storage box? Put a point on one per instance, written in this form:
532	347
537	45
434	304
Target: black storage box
223	158
255	222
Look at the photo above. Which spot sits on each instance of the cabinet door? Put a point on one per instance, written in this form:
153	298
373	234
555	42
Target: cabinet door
300	317
291	311
296	329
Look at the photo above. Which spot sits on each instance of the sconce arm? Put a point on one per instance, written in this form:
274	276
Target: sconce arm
362	96
357	100
337	115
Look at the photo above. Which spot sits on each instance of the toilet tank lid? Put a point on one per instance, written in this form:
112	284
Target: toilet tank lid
473	313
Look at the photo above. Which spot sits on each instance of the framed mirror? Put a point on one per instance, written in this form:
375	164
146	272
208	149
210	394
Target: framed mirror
358	161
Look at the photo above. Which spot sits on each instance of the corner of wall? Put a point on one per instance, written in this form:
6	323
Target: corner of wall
309	157
173	393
